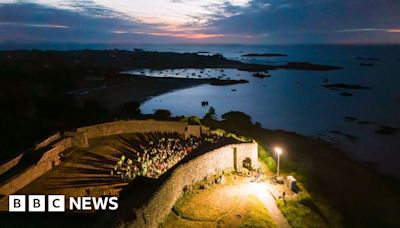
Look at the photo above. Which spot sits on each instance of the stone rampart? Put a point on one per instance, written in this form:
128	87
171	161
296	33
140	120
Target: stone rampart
152	213
9	164
134	126
47	161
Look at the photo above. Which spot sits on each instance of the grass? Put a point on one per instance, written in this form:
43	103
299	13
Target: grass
256	215
173	220
299	215
305	211
266	157
219	206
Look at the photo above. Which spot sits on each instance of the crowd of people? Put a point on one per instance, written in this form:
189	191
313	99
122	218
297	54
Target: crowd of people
157	155
212	138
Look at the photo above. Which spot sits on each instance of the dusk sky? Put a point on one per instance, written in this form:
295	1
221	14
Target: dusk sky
208	21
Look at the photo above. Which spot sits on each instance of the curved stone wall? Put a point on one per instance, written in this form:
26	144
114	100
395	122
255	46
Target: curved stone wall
132	126
152	213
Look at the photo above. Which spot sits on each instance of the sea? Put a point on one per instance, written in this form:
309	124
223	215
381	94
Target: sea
296	101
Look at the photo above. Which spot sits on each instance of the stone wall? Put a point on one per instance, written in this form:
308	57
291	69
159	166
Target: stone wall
132	126
247	150
49	140
13	162
192	130
159	206
9	164
49	159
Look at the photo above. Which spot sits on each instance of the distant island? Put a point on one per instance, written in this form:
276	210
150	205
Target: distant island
261	75
264	55
344	86
387	130
308	66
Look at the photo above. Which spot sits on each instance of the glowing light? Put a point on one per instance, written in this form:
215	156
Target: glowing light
278	150
258	190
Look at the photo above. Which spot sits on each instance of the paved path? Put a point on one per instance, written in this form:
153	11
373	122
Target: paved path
262	192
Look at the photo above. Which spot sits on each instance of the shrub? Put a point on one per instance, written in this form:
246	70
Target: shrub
299	215
194	120
302	211
220	132
162	114
266	157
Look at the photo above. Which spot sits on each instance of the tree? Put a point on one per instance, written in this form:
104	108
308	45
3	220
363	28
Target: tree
162	114
131	109
211	111
210	115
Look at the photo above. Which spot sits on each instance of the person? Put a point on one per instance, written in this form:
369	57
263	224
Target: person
87	191
257	176
284	197
222	179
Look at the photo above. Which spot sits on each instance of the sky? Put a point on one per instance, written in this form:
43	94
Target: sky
201	21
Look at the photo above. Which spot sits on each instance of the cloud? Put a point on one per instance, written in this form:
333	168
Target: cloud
33	22
313	21
174	18
34	25
176	12
237	21
393	30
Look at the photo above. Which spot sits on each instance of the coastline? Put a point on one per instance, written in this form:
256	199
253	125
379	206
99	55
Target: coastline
141	88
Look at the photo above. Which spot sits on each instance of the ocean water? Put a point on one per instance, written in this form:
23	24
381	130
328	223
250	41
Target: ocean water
294	100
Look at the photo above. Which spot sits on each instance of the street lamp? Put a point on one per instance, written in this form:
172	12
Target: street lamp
278	152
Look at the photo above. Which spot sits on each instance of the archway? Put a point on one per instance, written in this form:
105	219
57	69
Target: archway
247	163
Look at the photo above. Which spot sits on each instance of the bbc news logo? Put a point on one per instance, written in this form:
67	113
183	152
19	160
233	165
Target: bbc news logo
56	203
